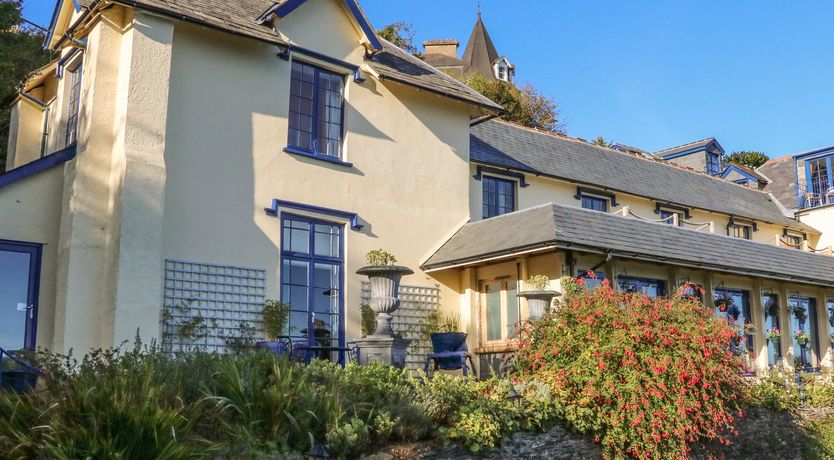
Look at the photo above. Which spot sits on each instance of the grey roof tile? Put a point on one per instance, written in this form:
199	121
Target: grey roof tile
507	145
395	64
782	177
552	225
684	147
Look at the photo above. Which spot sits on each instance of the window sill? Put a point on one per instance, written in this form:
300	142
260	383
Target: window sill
327	159
496	347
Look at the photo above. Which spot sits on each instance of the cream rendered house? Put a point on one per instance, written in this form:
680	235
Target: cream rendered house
191	157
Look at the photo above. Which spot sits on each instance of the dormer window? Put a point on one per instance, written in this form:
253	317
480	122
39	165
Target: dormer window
713	163
503	70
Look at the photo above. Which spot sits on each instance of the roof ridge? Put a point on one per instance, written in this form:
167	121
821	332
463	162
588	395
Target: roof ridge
633	155
684	145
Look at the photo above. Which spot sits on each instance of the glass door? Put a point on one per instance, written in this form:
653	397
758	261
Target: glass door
19	276
734	306
773	330
500	310
804	327
311	279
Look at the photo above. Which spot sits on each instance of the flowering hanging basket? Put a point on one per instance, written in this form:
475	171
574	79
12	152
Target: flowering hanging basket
774	335
750	329
723	303
799	312
691	290
801	337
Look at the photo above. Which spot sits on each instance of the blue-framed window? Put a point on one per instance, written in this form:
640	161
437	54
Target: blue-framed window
73	105
19	288
316	115
667	215
713	163
804	318
650	287
312	265
591	281
733	305
498	196
818	173
595	203
771	311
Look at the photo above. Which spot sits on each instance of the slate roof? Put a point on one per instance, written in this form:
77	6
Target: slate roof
752	172
239	17
395	64
629	148
502	144
480	52
782	177
685	147
567	227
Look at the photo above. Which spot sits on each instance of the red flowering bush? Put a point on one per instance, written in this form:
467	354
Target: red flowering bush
647	377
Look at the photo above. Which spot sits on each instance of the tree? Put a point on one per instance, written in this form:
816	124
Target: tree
748	158
21	51
400	34
600	141
525	105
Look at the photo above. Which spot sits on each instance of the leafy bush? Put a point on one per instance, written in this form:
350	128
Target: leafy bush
647	376
275	314
537	283
368	320
776	392
380	257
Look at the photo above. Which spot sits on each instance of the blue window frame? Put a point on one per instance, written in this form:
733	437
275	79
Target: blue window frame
591	282
771	311
650	287
734	306
19	288
595	203
498	196
668	216
818	175
312	266
73	106
804	317
713	163
316	115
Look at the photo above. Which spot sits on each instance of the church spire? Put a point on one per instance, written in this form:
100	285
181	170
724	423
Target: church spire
480	53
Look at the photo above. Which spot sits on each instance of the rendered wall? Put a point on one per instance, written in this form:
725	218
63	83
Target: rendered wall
823	220
30	212
545	190
25	134
227	126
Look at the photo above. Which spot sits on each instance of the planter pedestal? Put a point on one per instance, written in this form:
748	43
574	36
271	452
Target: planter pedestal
389	351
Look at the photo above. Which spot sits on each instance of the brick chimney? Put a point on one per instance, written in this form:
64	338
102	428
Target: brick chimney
444	47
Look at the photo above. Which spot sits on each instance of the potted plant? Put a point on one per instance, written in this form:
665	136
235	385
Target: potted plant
274	316
538	296
445	336
774	335
384	277
801	337
750	329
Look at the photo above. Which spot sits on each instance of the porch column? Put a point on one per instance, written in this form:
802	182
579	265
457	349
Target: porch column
822	331
469	309
709	289
786	341
524	275
673	278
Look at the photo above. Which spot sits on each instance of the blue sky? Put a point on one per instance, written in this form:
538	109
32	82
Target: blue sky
757	75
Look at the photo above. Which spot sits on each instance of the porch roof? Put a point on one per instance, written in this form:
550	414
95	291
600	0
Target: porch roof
553	226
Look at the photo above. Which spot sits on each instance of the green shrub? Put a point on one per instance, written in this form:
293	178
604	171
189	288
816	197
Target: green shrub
646	376
275	314
368	320
380	257
775	393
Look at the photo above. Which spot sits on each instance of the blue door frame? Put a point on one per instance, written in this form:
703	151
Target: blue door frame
34	250
311	259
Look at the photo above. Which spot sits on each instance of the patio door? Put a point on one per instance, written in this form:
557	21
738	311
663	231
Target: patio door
19	278
311	280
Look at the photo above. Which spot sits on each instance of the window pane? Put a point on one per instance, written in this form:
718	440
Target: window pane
771	311
512	307
594	203
498	196
296	236
493	311
326	240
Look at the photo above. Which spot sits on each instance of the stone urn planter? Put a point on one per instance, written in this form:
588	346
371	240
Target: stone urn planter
538	296
385	287
538	302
